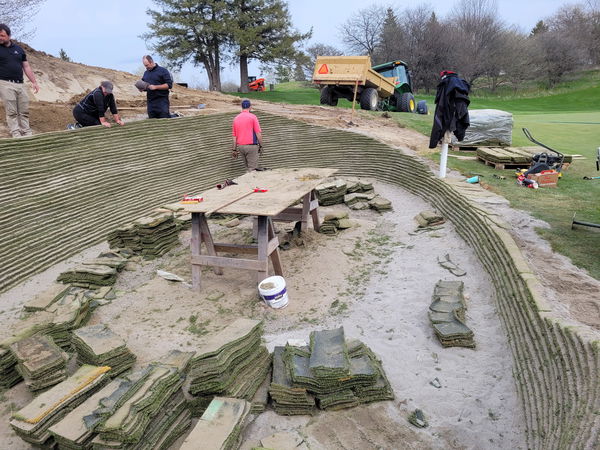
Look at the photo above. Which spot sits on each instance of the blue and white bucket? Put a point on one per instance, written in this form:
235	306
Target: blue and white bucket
273	292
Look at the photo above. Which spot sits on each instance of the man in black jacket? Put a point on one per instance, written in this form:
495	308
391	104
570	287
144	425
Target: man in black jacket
90	111
451	113
157	91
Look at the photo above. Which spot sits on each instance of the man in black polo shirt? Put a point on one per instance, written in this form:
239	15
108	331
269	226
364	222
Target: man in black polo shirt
157	92
90	111
13	62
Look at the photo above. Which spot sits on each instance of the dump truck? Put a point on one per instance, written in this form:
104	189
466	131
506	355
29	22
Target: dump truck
385	86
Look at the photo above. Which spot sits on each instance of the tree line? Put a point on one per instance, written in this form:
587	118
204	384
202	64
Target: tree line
475	42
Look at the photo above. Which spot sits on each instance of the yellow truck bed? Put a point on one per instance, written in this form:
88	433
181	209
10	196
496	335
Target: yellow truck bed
346	70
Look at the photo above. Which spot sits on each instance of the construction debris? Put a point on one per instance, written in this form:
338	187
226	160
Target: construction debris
417	418
40	362
32	422
380	204
220	426
447	315
99	345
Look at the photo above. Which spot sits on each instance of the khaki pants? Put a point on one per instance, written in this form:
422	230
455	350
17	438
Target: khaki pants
249	155
16	103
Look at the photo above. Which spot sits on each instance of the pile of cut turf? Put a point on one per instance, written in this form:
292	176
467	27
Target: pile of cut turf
40	362
447	315
99	345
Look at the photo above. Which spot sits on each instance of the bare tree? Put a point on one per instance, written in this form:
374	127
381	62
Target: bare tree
362	31
17	14
320	49
478	31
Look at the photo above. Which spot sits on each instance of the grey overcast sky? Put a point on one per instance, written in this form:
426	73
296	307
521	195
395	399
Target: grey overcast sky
106	33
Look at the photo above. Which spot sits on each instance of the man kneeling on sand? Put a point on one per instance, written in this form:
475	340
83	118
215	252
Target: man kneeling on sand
90	111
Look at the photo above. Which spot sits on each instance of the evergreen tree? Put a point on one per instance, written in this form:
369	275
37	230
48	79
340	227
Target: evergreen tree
191	30
262	30
540	27
63	55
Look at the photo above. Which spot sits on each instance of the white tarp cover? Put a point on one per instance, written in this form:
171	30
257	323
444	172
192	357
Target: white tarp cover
489	127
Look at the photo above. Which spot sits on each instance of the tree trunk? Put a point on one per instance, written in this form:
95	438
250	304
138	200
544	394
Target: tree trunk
244	73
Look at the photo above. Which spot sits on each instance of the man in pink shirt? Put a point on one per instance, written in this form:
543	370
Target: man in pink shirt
247	137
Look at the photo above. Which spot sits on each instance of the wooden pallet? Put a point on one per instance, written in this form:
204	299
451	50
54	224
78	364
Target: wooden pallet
502	165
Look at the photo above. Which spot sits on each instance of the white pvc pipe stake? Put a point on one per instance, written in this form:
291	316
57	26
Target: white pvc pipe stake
444	154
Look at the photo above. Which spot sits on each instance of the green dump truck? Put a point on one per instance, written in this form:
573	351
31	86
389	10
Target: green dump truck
384	87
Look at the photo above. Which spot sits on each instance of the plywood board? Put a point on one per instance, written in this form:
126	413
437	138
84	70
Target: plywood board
285	187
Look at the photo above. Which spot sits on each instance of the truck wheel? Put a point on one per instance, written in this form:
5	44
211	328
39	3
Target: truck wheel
407	103
327	97
369	99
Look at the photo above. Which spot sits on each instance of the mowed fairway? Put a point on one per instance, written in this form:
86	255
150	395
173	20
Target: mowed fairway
568	121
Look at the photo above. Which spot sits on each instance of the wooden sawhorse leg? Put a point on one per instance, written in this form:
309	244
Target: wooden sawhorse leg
310	205
201	233
268	246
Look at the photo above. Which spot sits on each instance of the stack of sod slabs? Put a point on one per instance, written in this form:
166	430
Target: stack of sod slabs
40	362
32	422
220	426
447	315
89	276
99	345
288	399
148	404
331	193
339	374
150	237
146	411
231	363
9	375
429	219
68	313
334	222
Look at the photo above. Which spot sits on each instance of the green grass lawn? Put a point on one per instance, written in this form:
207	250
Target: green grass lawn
567	119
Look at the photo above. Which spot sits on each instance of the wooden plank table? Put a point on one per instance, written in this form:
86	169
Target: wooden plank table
284	188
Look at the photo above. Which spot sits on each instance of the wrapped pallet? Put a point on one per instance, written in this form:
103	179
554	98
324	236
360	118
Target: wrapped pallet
489	127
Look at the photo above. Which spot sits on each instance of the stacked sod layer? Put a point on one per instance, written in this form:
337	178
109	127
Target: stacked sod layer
143	410
331	374
99	345
150	237
447	315
32	422
40	362
220	426
557	367
231	363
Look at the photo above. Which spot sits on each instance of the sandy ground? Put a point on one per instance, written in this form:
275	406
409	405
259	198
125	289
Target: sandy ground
379	290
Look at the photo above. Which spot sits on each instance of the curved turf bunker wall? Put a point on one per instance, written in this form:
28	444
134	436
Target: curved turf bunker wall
62	192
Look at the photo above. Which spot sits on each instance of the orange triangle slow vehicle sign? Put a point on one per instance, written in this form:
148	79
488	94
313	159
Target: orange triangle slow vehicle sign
323	69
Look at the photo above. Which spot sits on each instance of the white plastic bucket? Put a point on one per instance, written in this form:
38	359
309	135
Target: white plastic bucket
273	292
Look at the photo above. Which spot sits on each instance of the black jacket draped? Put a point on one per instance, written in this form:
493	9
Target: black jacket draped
451	113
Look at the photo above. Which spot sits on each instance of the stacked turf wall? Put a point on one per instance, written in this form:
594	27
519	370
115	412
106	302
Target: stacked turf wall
63	192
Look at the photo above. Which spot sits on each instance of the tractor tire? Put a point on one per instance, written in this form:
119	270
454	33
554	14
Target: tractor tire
327	97
407	103
369	99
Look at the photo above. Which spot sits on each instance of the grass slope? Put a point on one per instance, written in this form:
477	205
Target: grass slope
567	119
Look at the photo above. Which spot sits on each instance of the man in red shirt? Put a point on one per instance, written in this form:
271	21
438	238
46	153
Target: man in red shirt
247	137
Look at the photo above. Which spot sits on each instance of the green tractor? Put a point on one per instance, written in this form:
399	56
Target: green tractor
403	99
384	87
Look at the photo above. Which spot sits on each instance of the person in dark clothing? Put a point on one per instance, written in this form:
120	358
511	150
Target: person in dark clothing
451	113
90	111
157	92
